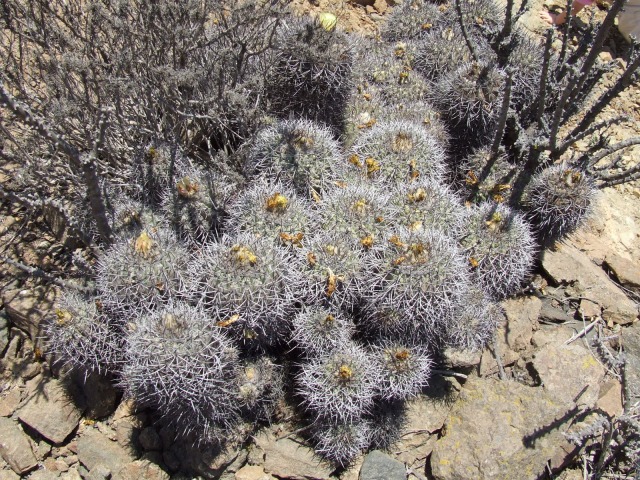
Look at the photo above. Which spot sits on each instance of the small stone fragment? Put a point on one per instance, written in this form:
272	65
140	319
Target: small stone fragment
627	272
252	472
289	458
570	373
96	449
380	466
568	265
28	308
15	447
141	469
50	411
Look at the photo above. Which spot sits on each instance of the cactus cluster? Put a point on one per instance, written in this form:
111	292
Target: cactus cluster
354	251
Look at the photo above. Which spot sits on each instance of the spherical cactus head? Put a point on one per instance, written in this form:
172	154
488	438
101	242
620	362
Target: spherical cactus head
426	204
413	288
299	152
390	419
419	112
559	199
260	385
248	285
444	49
470	98
180	363
396	153
338	386
484	176
500	248
341	442
318	330
404	369
145	270
358	210
310	77
154	169
271	209
332	269
475	323
80	334
411	20
195	203
478	16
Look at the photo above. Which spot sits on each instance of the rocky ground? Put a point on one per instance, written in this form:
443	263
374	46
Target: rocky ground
480	417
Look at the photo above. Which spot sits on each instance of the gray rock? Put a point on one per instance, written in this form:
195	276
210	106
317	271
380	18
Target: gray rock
28	308
51	411
626	271
570	373
552	311
44	474
631	345
128	422
141	469
9	401
290	458
522	319
95	449
498	429
425	416
380	466
99	472
252	472
15	447
568	265
71	474
9	475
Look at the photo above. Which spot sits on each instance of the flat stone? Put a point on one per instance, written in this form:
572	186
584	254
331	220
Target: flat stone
51	411
425	416
626	271
631	344
252	472
570	373
291	458
44	474
99	472
15	447
568	265
9	475
522	319
455	359
71	474
497	430
610	400
9	401
96	449
488	364
380	466
589	308
29	307
141	469
552	312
